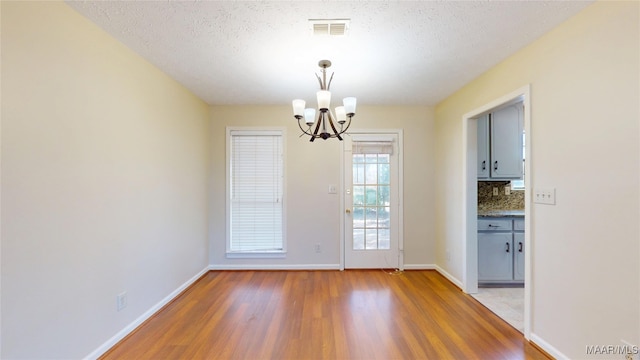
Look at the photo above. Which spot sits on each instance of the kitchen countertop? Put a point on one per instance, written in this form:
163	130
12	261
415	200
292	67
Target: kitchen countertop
501	213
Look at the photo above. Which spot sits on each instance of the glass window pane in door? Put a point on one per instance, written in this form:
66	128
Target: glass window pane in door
384	196
358	173
371	196
371	176
358	239
358	195
371	217
384	239
371	239
358	217
371	201
383	174
384	219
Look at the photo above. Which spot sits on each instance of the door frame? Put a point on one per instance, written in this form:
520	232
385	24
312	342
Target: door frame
400	209
470	195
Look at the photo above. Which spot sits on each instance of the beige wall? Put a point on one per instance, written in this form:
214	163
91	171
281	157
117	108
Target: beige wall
104	183
584	138
313	215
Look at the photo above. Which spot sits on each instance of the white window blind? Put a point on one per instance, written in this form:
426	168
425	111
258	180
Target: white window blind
372	147
371	144
256	211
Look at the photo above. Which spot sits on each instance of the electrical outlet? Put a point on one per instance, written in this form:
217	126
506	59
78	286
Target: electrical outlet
495	191
507	190
317	248
121	301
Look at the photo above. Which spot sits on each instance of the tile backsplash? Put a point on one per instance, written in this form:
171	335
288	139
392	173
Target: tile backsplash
487	201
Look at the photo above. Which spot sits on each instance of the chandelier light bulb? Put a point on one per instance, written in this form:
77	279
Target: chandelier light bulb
349	106
309	116
341	115
324	99
298	108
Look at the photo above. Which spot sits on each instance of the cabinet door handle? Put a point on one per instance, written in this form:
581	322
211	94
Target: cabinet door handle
495	165
507	247
484	165
520	247
494	226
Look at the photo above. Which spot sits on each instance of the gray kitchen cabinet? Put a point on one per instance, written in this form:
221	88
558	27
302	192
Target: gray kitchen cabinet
495	224
518	256
483	147
495	259
518	224
500	144
500	250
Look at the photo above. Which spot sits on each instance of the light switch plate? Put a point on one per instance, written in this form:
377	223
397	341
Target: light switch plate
333	189
544	196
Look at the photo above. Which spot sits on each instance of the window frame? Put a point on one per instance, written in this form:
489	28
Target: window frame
280	131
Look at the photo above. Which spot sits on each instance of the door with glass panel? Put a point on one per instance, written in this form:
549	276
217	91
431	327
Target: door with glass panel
371	201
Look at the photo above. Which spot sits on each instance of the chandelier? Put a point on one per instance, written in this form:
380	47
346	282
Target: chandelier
327	125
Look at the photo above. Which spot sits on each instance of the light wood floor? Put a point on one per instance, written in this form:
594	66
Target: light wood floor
354	314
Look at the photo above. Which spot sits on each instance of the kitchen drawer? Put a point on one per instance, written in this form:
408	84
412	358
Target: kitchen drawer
494	224
518	224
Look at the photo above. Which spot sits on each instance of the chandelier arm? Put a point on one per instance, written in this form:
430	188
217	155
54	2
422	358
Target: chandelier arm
320	82
348	124
304	132
331	78
333	127
315	132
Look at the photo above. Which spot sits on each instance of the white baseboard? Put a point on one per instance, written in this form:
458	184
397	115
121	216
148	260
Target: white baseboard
275	267
449	277
437	268
137	322
419	266
555	353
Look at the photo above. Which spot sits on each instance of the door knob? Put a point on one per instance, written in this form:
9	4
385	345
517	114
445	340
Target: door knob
348	211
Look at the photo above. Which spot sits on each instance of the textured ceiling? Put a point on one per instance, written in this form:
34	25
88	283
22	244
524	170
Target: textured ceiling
414	53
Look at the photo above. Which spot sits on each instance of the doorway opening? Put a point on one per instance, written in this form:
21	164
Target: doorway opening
470	195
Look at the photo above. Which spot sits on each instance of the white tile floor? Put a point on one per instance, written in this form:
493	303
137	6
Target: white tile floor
508	303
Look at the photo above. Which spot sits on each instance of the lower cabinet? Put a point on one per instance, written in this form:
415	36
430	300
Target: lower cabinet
518	256
500	250
495	260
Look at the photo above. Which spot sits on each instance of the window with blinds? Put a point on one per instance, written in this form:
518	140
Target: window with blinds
256	189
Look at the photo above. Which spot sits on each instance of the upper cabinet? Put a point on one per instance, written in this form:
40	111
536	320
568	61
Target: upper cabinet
483	147
500	144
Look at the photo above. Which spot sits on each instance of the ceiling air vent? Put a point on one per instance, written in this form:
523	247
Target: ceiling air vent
333	27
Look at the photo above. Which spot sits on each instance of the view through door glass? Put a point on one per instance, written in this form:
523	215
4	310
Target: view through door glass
371	202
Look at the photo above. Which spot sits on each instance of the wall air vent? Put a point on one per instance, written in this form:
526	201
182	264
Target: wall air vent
332	27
